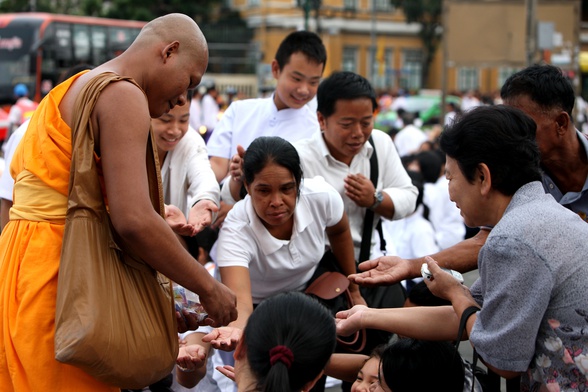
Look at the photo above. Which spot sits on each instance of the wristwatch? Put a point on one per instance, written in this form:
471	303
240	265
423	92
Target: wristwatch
378	198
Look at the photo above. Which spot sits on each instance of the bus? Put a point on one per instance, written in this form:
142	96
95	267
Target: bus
35	48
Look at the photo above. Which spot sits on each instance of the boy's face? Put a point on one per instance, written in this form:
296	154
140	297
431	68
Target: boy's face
297	82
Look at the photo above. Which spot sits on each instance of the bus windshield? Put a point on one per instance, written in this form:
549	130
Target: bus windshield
16	60
35	49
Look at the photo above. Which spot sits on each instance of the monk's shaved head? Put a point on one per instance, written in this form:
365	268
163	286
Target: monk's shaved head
174	27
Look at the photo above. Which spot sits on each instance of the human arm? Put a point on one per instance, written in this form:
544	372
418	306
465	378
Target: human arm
462	257
236	278
235	179
121	120
345	366
4	215
445	286
6	181
203	191
342	247
419	322
191	361
220	167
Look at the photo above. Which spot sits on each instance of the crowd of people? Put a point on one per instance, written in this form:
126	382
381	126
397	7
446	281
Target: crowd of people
259	193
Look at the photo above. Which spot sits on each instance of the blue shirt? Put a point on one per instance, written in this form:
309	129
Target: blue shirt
575	201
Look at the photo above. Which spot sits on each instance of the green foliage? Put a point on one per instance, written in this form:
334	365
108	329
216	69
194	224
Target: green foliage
428	13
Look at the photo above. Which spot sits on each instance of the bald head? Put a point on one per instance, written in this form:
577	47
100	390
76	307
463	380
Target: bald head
174	27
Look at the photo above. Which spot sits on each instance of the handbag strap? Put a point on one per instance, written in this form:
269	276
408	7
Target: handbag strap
366	237
462	325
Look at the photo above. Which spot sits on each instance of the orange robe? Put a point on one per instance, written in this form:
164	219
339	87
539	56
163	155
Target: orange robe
30	249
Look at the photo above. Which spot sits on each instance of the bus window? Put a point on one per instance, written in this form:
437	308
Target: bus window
63	46
120	39
99	53
81	43
15	60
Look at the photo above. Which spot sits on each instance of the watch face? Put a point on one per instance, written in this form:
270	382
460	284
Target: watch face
379	196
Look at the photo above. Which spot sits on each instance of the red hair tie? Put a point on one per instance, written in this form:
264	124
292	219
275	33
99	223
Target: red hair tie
282	354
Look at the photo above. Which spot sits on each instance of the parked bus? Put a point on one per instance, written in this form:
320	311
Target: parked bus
35	48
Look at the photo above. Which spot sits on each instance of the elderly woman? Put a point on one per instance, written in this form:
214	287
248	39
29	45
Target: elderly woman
531	294
273	240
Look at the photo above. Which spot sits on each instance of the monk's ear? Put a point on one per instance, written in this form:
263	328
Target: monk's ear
169	50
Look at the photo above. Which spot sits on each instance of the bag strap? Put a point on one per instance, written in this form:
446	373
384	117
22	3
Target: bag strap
85	198
462	326
83	166
366	237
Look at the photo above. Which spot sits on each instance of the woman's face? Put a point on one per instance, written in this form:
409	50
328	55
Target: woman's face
273	194
367	376
170	128
348	128
464	194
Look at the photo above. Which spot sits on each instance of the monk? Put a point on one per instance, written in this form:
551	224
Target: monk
168	57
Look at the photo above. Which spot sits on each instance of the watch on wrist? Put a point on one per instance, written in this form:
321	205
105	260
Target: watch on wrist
378	198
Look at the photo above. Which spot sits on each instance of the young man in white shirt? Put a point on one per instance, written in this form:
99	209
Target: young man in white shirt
297	67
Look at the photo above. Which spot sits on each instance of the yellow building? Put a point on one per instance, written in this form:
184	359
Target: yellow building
372	38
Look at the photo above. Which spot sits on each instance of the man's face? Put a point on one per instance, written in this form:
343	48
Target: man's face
547	126
348	128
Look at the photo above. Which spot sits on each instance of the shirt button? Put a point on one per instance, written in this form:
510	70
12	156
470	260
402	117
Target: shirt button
273	122
551	186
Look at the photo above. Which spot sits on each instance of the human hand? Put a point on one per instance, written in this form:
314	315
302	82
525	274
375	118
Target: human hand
222	214
443	285
220	305
201	215
236	165
228	371
385	270
177	221
188	321
224	338
349	321
359	189
191	357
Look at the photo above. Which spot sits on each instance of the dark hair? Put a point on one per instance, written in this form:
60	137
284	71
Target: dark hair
300	325
419	182
420	295
343	85
503	138
545	85
430	163
422	366
305	42
271	149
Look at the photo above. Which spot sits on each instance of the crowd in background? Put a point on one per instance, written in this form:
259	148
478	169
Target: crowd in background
256	189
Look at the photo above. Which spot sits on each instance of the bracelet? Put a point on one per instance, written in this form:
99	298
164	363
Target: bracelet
185	370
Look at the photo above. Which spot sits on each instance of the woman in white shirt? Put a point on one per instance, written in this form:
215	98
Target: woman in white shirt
273	240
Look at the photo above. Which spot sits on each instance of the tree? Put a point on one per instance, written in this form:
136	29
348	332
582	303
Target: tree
428	13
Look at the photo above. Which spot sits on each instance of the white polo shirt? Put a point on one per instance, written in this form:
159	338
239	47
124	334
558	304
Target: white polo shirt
245	120
392	177
276	266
